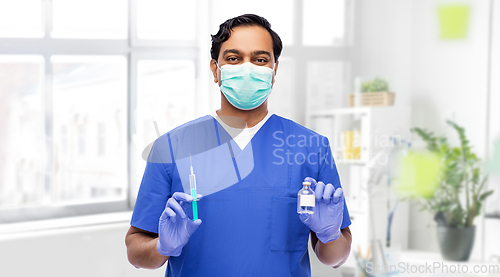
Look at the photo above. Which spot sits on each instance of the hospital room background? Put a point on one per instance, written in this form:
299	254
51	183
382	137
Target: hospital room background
82	83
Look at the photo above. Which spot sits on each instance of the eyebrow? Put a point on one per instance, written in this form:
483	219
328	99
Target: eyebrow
255	53
261	52
234	51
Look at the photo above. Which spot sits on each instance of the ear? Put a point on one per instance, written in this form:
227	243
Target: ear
213	68
275	70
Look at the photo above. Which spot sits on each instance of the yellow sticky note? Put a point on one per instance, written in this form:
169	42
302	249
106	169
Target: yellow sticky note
453	21
419	174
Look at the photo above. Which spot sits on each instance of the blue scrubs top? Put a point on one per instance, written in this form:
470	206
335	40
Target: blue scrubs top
250	225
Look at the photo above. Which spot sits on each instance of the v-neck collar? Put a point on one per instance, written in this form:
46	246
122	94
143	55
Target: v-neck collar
223	125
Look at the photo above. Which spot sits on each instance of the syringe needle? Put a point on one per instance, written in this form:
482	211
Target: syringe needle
191	163
192	185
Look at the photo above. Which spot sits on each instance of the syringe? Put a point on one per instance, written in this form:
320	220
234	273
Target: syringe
192	186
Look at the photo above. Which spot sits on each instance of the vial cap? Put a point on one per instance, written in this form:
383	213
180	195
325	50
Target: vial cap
306	183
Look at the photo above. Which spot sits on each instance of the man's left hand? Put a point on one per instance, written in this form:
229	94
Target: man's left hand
327	218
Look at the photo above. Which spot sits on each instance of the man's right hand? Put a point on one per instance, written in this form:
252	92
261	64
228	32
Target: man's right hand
175	228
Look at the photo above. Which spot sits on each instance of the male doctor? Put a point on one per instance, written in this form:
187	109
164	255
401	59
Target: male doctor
249	225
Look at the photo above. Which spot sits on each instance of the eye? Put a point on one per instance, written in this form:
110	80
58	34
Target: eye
232	59
261	60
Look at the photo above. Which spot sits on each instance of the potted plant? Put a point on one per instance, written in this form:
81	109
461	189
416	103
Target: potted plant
374	93
459	194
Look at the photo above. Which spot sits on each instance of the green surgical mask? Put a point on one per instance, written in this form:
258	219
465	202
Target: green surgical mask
246	86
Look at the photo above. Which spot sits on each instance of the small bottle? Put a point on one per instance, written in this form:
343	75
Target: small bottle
305	199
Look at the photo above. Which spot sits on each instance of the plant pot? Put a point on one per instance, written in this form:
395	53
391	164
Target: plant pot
373	99
456	243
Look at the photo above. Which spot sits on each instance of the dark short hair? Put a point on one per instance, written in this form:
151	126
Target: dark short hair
244	20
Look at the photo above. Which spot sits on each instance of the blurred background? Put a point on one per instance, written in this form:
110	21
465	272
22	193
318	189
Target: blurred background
81	83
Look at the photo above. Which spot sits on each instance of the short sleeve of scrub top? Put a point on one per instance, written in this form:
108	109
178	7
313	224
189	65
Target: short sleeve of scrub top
155	189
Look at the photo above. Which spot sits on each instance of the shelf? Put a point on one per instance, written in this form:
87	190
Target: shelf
339	112
495	215
350	162
353	111
370	129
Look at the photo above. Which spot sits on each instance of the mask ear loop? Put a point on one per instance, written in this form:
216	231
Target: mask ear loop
217	64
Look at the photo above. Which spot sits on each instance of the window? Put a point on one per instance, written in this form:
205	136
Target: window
324	23
154	15
165	96
89	19
280	13
326	80
89	92
84	82
21	18
77	99
23	131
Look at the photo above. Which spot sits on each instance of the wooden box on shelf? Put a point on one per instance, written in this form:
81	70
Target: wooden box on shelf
373	99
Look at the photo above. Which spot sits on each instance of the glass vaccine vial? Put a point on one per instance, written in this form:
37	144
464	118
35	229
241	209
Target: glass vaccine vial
306	199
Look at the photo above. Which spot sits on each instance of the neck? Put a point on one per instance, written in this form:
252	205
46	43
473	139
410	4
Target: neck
251	117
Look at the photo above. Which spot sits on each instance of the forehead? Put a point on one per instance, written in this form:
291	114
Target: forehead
248	39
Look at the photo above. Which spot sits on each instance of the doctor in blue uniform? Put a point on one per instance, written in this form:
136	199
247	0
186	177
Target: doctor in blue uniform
250	165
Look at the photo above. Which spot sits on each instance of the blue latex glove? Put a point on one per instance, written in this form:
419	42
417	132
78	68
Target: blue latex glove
175	228
327	218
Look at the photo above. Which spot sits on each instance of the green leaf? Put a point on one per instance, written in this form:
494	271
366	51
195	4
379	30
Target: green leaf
475	175
483	196
461	175
428	137
366	86
478	209
375	85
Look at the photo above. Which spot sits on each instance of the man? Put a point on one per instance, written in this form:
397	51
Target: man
249	225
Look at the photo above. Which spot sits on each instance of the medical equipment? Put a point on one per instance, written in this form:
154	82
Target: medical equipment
192	186
175	228
246	86
305	199
329	208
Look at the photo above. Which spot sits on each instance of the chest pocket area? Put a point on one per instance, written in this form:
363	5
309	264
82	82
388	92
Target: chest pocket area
288	233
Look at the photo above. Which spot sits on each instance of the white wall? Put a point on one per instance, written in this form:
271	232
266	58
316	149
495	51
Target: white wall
84	251
494	123
449	77
383	43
